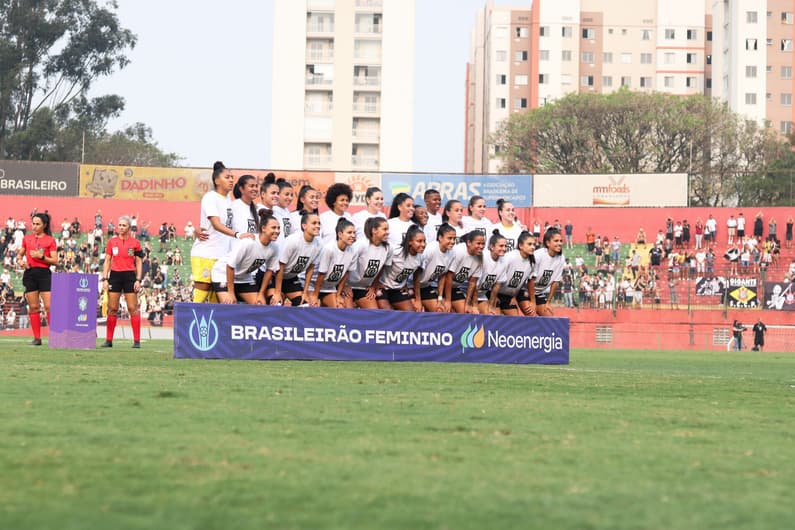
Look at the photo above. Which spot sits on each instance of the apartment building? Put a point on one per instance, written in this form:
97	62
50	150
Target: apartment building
737	50
343	83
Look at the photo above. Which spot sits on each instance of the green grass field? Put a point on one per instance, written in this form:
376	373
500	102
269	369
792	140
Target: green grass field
135	439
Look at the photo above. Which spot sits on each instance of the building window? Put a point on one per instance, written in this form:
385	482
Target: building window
708	83
645	82
588	33
690	82
786	72
645	34
586	80
750	44
500	103
786	17
565	79
607	57
543	79
626	81
692	34
786	99
566	32
522	55
502	56
709	59
770	42
626	58
520	80
751	17
502	79
587	57
750	98
543	55
709	36
645	58
520	103
565	55
522	32
786	127
607	81
786	45
768	69
543	31
668	81
750	71
669	57
691	58
670	34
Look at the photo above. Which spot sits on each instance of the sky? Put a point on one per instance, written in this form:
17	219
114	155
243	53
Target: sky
200	77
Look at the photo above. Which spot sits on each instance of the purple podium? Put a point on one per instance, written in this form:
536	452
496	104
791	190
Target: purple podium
73	311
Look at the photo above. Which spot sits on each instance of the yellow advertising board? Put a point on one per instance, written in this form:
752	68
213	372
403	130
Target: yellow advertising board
175	183
144	183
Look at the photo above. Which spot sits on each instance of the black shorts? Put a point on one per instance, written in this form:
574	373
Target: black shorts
458	294
37	279
505	302
358	294
292	285
395	296
429	292
239	288
541	299
121	282
741	232
522	296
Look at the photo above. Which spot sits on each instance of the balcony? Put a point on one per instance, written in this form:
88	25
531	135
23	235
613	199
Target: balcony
317	161
369	5
367	56
366	135
318	107
361	107
320	56
367	81
368	28
364	162
314	29
318	81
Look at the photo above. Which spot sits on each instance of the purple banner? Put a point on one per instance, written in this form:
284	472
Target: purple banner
215	331
73	311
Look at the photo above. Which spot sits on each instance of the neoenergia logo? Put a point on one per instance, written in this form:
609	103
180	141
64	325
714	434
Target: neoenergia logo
203	332
473	337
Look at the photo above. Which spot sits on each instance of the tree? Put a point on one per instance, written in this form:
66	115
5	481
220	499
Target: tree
730	160
51	51
134	146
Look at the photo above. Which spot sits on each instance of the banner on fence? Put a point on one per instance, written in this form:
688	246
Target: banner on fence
52	179
712	286
743	293
780	296
214	331
639	189
517	189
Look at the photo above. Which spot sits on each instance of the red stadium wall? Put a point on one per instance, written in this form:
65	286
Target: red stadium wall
610	222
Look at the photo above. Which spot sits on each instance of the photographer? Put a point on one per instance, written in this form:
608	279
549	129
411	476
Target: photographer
737	331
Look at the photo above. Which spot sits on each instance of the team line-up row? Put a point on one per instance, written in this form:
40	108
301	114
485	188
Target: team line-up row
253	249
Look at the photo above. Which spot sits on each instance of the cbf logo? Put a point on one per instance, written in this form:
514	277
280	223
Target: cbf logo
203	332
472	337
82	303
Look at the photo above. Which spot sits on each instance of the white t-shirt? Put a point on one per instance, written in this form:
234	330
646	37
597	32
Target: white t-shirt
328	225
242	219
397	231
401	269
493	273
464	266
435	263
360	217
741	223
511	234
368	262
710	226
334	263
547	270
517	271
432	227
482	225
298	254
214	204
246	258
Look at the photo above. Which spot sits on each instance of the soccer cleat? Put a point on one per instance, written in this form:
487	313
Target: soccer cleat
35	342
136	345
106	344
